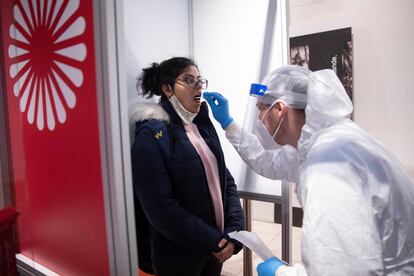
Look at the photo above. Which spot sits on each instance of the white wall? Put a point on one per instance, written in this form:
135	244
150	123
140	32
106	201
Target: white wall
228	41
383	43
154	31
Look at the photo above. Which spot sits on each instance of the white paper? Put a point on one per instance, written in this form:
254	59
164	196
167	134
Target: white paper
253	242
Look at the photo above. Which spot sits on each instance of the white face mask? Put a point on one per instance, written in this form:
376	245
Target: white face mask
266	139
185	115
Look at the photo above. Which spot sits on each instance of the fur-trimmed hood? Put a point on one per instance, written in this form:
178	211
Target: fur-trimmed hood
149	111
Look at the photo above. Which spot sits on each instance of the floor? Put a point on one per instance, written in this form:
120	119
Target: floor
270	233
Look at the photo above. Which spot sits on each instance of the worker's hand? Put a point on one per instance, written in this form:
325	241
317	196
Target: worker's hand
220	107
269	267
226	252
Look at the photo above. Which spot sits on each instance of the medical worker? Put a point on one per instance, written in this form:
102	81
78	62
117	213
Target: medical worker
357	199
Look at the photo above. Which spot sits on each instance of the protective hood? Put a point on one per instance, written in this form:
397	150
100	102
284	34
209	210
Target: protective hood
328	103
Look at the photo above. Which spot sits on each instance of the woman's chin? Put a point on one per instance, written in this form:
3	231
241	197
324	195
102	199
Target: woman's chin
194	108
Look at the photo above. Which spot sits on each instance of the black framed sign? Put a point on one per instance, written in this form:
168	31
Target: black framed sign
325	50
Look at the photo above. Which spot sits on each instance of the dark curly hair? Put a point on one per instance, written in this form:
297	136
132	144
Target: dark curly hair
152	78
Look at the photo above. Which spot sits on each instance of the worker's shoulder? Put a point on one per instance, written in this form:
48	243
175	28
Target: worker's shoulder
342	142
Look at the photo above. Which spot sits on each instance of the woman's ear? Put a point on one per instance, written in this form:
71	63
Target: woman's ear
167	90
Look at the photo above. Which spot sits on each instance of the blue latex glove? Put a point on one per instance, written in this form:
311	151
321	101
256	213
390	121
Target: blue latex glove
220	108
269	267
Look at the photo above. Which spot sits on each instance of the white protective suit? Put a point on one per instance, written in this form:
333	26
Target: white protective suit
357	199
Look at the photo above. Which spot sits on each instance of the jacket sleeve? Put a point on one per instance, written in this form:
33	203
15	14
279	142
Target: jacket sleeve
153	187
234	217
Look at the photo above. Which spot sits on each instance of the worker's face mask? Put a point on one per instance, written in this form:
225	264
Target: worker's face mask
267	139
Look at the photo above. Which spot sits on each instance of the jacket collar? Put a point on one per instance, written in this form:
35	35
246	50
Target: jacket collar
145	111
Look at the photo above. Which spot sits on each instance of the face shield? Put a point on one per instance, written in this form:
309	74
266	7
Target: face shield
257	112
288	85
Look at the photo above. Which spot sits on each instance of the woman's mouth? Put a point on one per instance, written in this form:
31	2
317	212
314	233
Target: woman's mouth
197	98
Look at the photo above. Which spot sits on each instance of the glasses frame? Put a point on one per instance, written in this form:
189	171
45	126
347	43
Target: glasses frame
198	81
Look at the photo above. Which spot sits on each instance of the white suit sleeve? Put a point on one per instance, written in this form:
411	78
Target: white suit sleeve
274	164
339	235
296	270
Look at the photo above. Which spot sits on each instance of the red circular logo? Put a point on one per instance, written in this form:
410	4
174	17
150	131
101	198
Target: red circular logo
46	53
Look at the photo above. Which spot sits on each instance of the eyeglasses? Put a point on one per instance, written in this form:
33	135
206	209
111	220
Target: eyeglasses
195	82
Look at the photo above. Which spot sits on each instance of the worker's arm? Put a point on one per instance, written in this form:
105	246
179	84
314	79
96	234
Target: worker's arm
274	164
339	233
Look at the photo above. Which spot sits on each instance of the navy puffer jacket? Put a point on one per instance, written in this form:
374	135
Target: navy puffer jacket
176	198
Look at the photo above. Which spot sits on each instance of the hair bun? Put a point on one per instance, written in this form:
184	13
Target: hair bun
149	80
155	76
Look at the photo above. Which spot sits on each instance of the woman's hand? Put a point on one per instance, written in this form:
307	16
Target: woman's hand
226	252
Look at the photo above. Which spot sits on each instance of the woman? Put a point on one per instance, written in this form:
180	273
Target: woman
180	177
